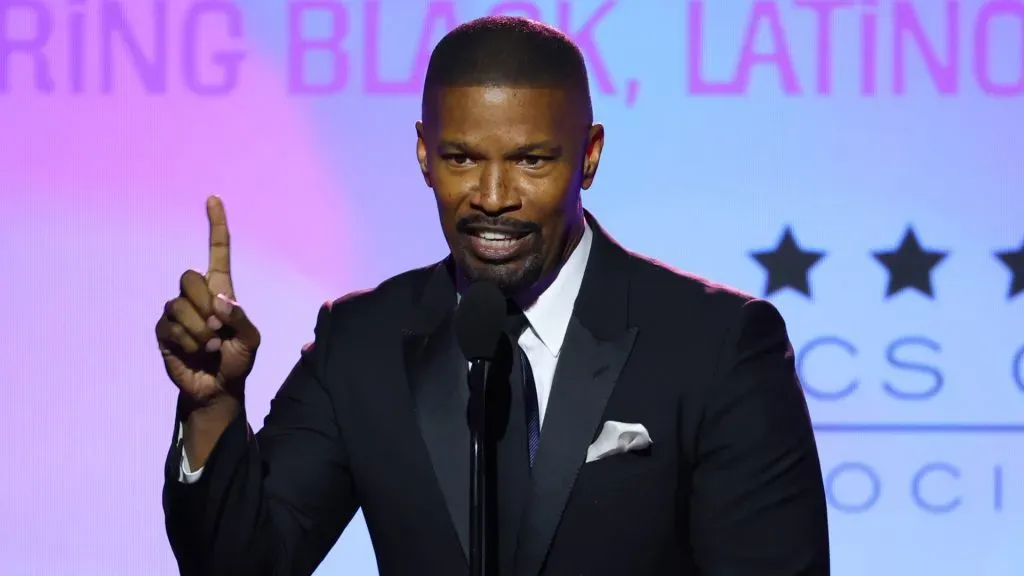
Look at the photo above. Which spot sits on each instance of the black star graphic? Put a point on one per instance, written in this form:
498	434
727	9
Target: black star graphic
787	266
910	265
1014	260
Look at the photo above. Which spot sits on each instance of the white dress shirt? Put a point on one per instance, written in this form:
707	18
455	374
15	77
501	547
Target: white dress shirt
542	342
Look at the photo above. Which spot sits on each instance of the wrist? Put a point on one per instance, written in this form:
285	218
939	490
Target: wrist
191	407
220	408
203	423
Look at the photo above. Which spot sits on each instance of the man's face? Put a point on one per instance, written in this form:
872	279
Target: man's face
506	166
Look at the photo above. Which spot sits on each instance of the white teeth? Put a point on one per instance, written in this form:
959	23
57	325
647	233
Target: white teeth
494	236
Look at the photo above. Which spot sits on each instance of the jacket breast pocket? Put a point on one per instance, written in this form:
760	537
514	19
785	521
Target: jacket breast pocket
612	470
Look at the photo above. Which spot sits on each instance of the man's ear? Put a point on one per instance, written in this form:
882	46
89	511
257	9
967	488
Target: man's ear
592	156
421	154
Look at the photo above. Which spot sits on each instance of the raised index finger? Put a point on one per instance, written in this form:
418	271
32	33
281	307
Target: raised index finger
218	274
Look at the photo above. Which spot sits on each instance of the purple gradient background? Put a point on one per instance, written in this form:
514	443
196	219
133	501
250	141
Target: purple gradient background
101	209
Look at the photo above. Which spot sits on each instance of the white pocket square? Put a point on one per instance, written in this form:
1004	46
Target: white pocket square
618	437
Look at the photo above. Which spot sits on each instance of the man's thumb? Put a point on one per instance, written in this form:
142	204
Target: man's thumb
231	315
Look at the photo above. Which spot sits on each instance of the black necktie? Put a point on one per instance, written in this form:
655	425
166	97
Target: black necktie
517	324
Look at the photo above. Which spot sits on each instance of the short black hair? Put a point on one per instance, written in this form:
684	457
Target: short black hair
508	51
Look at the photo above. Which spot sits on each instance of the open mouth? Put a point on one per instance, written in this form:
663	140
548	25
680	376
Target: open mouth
496	245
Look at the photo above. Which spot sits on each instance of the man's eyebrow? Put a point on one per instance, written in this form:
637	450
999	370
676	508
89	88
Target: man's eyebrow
543	146
454	145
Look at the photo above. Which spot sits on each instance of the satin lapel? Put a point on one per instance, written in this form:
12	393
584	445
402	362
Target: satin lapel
436	372
586	375
437	377
597	345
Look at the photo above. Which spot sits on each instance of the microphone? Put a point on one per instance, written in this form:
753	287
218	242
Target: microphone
479	322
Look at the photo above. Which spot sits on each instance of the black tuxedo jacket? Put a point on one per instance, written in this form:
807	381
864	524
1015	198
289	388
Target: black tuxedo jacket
373	417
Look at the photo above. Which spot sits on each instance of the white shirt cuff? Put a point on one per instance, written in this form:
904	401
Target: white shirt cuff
185	473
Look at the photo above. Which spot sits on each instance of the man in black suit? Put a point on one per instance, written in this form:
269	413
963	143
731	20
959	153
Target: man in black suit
708	466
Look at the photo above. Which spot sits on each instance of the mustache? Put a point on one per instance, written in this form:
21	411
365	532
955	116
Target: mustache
467	224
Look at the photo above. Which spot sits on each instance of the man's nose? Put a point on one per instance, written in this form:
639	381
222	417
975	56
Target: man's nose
495	195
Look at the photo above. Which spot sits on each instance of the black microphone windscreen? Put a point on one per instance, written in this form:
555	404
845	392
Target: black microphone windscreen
479	321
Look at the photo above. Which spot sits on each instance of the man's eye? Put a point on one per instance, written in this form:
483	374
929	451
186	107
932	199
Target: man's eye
532	161
457	159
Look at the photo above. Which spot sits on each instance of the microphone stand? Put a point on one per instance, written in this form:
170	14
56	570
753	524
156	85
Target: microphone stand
478	551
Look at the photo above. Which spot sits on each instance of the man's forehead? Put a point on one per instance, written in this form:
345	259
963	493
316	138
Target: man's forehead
472	107
470	98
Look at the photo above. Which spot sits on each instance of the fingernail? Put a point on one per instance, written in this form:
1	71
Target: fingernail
213	344
222	305
214	323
